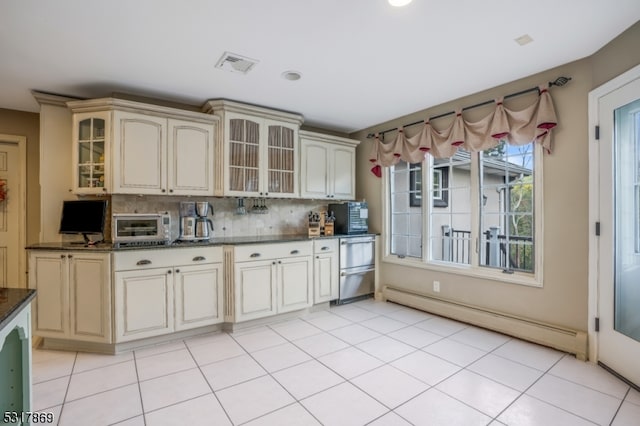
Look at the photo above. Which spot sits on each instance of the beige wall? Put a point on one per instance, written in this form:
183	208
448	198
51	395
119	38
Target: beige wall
27	124
563	298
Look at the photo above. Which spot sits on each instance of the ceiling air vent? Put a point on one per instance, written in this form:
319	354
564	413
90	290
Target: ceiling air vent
235	63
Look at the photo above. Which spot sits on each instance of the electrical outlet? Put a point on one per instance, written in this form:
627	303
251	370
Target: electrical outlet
436	286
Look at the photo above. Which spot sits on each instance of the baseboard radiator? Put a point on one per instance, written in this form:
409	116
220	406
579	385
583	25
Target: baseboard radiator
564	339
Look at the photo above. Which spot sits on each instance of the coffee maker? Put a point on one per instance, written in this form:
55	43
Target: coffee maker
187	221
204	225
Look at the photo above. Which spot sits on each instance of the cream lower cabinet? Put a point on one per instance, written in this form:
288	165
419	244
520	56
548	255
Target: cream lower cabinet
161	291
255	290
198	296
326	279
280	281
143	303
73	298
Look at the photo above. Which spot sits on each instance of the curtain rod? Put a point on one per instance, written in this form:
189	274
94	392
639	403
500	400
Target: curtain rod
560	81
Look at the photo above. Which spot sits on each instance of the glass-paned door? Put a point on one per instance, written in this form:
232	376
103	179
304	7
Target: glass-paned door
281	155
619	245
91	154
627	220
244	155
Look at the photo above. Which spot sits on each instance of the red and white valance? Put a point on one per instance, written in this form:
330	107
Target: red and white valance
534	123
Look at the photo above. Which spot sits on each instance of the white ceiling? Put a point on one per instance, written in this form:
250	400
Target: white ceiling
363	61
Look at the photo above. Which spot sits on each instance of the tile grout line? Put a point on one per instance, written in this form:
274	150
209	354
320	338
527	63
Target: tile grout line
64	400
135	364
620	406
545	402
296	401
208	384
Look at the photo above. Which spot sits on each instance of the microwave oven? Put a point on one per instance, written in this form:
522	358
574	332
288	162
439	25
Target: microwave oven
351	217
140	229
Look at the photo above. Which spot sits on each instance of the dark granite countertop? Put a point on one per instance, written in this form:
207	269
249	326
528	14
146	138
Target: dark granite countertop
12	301
220	241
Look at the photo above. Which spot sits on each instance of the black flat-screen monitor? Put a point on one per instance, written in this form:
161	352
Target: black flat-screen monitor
83	217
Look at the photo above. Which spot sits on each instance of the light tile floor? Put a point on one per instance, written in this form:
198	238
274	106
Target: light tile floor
364	363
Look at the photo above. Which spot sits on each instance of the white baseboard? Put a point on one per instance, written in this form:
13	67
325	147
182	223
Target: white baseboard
564	339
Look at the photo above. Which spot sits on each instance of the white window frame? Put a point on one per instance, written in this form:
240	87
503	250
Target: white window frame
474	270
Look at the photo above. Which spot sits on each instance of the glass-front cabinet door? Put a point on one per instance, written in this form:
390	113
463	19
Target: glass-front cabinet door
91	136
281	160
243	157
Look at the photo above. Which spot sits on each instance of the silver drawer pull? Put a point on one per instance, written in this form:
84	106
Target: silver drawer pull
324	248
344	243
143	262
346	274
199	259
255	255
295	251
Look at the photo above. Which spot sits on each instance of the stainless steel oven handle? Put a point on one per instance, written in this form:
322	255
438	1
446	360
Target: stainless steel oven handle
346	274
344	243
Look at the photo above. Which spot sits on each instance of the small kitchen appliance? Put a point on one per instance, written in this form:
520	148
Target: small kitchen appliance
140	229
203	225
187	221
351	217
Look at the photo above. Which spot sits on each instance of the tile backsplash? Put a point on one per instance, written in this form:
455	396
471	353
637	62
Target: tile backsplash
284	216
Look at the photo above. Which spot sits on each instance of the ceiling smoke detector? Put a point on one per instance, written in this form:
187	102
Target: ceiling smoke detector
235	63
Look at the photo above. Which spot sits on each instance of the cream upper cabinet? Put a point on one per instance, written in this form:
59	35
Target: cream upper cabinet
125	147
190	158
328	165
91	153
73	295
139	153
260	150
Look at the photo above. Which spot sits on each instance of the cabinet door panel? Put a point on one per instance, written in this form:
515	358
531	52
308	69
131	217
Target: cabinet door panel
139	153
242	165
144	304
343	173
281	160
255	290
90	297
190	158
91	153
324	277
198	295
48	276
294	284
314	170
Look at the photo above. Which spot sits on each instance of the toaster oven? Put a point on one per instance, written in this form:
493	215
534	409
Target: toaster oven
141	229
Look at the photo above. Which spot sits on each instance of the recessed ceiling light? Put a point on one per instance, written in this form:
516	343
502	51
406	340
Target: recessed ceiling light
292	75
524	39
399	3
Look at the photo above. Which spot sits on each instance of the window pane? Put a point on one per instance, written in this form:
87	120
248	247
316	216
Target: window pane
507	207
406	212
450	217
